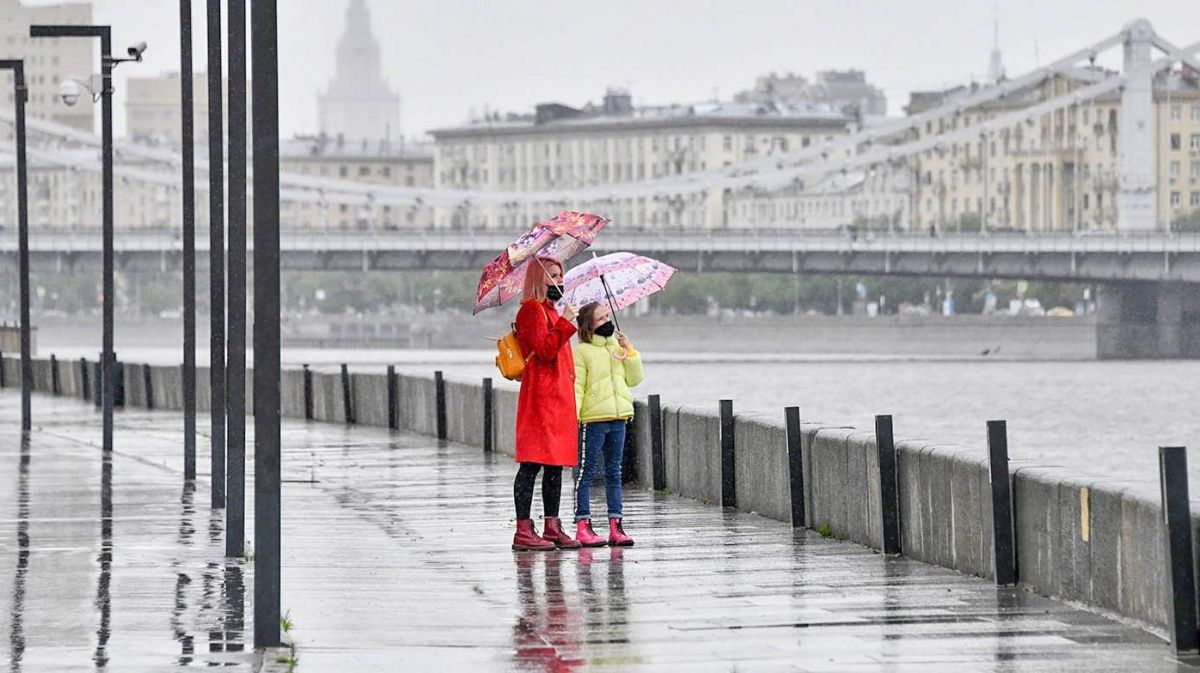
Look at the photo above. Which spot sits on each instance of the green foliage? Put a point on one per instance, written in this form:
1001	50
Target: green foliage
824	530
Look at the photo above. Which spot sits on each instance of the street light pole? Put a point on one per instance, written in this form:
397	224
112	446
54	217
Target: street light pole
264	30
107	63
235	380
187	143
18	69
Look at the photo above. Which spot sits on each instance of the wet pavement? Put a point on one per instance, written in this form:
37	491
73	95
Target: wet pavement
396	559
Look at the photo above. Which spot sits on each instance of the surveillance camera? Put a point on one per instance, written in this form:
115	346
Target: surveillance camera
69	91
135	50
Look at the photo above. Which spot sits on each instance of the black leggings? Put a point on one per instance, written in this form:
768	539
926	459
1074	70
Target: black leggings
551	488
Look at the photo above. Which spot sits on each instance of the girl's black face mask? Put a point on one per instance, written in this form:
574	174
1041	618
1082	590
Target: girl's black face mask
553	293
607	329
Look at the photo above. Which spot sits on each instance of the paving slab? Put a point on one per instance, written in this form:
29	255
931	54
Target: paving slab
396	558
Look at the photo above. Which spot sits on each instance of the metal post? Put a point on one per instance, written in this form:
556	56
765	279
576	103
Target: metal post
889	496
235	378
83	378
657	466
265	104
488	420
148	385
98	386
795	464
347	396
216	253
1177	542
20	95
439	384
54	387
188	138
3	383
728	464
308	394
1003	549
392	397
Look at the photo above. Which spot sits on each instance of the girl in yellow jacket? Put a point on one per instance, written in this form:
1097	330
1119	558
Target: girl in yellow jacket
606	367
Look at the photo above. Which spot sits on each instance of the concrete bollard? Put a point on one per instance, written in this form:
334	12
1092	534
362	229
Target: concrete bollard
439	383
1177	541
393	394
83	378
308	394
488	417
55	388
728	465
889	492
795	452
658	466
148	385
1003	547
347	397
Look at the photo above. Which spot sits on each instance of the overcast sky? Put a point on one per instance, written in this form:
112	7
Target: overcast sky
447	57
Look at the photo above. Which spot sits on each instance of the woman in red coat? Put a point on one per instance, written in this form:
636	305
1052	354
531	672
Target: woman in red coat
547	425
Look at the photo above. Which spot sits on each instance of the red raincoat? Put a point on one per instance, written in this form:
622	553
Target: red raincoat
547	424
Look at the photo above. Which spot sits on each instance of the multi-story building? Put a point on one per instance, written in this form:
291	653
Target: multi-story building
1059	171
561	147
841	89
48	61
382	163
153	109
876	199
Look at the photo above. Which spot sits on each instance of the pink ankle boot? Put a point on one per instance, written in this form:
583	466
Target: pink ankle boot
555	533
617	536
585	536
527	538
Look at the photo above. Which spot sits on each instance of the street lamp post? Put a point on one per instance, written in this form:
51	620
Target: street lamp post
235	357
18	69
216	254
107	63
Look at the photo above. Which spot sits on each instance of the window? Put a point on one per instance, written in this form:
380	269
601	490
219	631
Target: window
727	143
342	171
1175	141
1194	142
1175	113
1174	169
1195	199
1196	113
386	171
1174	199
364	171
1195	170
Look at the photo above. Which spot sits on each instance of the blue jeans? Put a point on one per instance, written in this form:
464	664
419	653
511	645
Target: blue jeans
607	439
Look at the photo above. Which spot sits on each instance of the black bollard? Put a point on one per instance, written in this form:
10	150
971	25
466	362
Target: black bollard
392	397
148	384
1177	541
488	429
728	464
83	378
889	496
3	383
347	396
98	377
308	395
791	417
1003	547
439	384
54	383
657	465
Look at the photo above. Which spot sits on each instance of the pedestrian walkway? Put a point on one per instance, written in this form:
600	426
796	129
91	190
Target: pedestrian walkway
396	559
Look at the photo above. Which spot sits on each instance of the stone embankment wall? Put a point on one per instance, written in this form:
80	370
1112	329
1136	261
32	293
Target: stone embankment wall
1093	541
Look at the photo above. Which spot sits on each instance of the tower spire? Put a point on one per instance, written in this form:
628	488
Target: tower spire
995	63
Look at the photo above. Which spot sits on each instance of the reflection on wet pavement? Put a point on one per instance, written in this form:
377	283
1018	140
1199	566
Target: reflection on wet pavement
396	558
103	551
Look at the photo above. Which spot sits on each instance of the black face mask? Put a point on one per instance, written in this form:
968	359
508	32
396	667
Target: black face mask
553	292
606	330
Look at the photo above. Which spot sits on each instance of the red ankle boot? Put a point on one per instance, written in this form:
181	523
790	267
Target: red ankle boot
527	538
554	533
617	536
586	536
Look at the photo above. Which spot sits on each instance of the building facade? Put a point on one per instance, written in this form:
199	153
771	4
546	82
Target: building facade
561	147
1059	171
846	90
48	61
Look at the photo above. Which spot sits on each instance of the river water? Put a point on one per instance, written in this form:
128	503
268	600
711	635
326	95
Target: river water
1102	419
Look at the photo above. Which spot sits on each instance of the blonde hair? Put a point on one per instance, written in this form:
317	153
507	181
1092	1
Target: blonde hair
534	288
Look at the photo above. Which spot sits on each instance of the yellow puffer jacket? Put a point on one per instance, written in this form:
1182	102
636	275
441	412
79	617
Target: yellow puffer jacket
602	382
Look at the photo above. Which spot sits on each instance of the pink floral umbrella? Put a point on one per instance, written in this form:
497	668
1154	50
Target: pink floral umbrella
618	279
560	238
